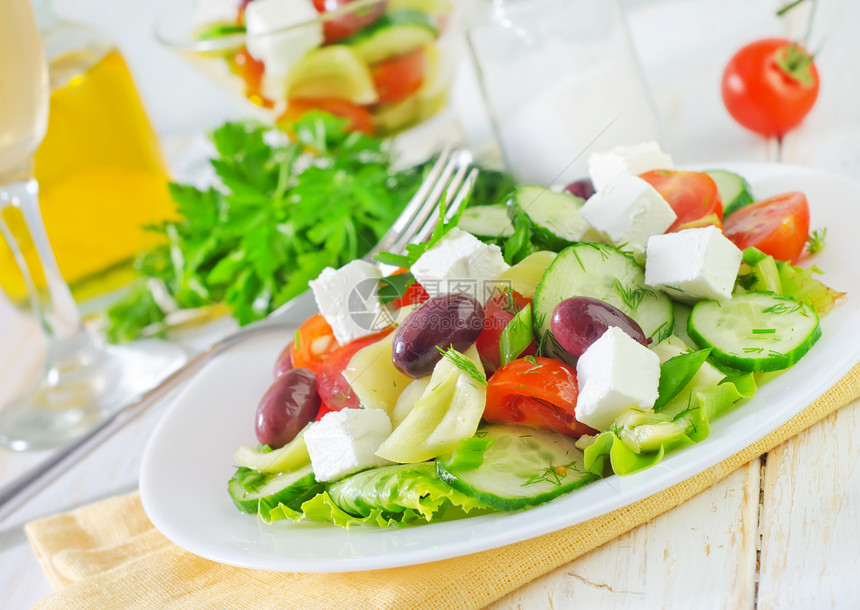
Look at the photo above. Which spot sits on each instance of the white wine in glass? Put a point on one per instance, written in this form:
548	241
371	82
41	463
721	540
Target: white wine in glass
83	380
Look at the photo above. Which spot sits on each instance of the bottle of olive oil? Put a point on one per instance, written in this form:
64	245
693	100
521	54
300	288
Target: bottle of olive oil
101	175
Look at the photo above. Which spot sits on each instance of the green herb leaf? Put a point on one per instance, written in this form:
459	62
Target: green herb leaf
517	335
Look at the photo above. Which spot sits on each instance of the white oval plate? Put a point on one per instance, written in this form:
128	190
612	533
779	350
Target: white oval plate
188	461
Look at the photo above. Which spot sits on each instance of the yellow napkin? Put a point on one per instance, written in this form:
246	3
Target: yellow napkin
108	555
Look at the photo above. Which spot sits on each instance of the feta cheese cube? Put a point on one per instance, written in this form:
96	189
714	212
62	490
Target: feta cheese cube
634	160
615	373
348	300
344	442
462	263
280	32
693	264
628	211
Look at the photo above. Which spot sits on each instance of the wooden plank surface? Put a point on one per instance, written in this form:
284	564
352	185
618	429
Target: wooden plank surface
661	564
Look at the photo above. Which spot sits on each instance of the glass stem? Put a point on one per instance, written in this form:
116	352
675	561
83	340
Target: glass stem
55	307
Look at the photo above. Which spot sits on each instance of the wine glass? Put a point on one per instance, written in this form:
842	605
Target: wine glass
384	65
83	380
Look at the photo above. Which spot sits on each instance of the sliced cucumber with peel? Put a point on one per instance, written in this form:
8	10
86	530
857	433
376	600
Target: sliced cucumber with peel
252	490
395	33
522	467
755	331
487	221
555	217
602	272
734	191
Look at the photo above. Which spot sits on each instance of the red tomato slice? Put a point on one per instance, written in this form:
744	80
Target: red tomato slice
770	85
349	23
397	78
333	388
778	226
359	117
251	71
541	395
314	341
693	195
498	312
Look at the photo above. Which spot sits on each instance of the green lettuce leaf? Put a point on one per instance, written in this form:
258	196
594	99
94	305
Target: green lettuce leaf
640	439
391	495
761	273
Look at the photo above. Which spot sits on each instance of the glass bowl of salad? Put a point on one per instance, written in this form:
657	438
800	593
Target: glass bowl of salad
384	65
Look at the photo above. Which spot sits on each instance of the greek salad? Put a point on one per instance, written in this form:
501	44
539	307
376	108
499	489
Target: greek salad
533	346
381	64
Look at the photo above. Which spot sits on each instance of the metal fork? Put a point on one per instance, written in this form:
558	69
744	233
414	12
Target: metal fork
449	179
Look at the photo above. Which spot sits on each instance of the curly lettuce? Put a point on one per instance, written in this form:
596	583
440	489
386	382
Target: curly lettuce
391	495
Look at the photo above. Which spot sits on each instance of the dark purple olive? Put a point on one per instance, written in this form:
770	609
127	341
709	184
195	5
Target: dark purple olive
580	321
581	188
287	406
448	320
284	362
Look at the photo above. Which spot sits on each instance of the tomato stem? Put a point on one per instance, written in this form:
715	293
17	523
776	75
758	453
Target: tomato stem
795	61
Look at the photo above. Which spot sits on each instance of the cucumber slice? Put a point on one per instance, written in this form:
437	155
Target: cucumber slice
395	33
602	272
291	456
755	331
252	490
734	191
523	467
334	71
487	221
555	216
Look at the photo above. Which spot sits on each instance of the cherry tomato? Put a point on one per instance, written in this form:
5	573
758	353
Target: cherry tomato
693	196
332	386
414	295
323	410
314	341
770	85
349	23
498	312
251	71
778	226
540	393
397	78
359	117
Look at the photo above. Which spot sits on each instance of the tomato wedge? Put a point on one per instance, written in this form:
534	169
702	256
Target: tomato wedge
537	392
498	312
351	21
778	226
314	341
333	388
692	195
397	78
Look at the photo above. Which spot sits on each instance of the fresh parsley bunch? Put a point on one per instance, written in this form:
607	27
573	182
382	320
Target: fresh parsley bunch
286	208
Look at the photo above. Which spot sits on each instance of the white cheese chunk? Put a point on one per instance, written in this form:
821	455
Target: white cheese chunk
628	211
344	442
693	264
615	373
462	263
348	300
633	160
280	32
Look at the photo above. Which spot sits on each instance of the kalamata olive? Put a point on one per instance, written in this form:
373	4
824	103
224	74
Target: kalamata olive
448	320
581	188
284	362
578	322
287	406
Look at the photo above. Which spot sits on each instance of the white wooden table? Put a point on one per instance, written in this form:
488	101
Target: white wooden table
782	531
